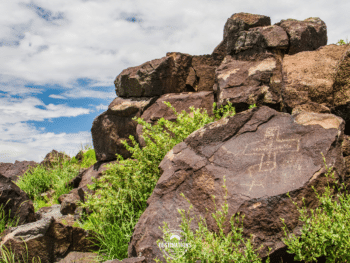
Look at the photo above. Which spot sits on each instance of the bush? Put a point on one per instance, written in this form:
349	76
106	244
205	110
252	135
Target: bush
326	231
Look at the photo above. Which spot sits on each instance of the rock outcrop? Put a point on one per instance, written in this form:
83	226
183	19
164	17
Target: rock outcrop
16	170
15	202
264	155
286	66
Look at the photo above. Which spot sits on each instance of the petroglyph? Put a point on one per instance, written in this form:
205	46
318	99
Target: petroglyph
269	147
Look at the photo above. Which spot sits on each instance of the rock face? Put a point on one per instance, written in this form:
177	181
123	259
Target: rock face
264	155
285	66
15	170
13	199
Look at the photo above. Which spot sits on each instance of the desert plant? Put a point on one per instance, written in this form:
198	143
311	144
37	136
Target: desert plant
41	179
342	42
122	193
326	229
208	246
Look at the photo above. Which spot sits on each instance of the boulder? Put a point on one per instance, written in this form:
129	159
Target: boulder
264	154
16	170
309	80
116	124
69	202
50	239
180	101
15	202
306	35
245	83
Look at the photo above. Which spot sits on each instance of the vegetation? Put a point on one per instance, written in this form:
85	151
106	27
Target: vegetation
342	42
39	180
326	231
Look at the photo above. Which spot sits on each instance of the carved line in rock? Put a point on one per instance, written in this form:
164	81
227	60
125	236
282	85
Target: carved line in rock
268	148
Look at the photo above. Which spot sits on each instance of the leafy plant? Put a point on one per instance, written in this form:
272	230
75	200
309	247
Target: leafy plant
208	246
326	231
342	42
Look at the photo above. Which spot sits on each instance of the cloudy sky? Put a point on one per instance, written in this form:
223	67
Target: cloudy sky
59	58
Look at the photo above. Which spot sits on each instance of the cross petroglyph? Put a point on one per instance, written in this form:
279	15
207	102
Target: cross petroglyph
268	149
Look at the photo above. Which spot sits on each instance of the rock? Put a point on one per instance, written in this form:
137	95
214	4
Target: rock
80	257
180	101
342	88
69	202
306	35
17	169
346	145
128	260
13	199
116	124
264	155
244	83
155	78
49	239
52	159
309	79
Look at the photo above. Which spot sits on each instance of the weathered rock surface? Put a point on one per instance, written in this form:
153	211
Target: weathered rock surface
16	170
80	257
264	155
116	124
13	199
180	101
51	238
245	83
309	79
69	202
306	35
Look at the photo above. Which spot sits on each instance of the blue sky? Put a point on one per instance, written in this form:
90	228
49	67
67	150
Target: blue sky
59	59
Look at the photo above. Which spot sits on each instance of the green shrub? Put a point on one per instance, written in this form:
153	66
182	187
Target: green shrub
327	231
207	246
342	42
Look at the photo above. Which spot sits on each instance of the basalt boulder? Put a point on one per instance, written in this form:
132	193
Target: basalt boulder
181	102
116	124
263	154
16	170
15	202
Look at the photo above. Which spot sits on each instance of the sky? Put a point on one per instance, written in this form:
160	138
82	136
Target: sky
59	58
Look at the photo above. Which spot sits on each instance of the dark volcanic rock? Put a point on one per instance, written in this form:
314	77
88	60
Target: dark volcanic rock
264	155
306	35
116	124
13	199
180	101
15	170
